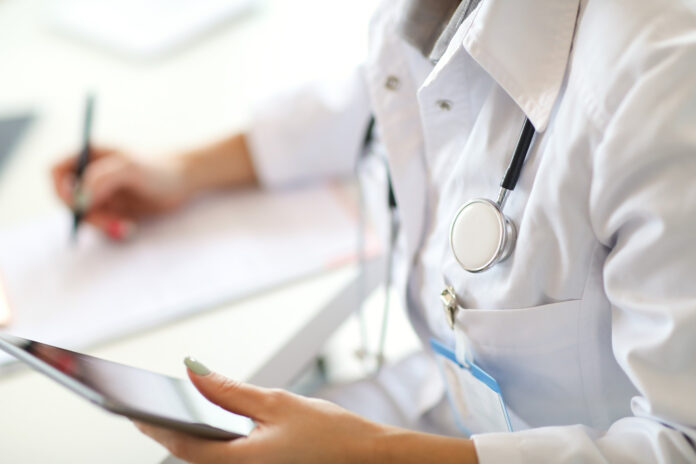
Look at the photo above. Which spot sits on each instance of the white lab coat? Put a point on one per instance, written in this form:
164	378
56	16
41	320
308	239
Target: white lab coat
590	326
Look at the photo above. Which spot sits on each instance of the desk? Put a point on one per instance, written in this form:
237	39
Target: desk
41	422
157	107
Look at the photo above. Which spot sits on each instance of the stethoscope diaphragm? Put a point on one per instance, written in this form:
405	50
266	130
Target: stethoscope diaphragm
481	235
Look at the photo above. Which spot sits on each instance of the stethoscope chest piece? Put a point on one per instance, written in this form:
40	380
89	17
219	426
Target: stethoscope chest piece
481	236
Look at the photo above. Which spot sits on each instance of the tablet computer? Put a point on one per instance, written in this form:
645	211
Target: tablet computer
128	391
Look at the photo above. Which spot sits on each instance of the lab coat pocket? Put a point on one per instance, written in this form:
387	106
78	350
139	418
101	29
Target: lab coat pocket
535	354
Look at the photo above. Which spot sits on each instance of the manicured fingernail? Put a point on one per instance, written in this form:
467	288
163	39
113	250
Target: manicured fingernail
121	230
196	366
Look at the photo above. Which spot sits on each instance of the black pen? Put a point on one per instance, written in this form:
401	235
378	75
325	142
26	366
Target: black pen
79	197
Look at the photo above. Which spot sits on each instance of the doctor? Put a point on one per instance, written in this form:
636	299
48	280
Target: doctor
588	329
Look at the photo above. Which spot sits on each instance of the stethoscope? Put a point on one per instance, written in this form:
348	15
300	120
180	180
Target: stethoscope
481	236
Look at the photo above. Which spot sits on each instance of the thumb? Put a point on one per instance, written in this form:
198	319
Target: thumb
232	395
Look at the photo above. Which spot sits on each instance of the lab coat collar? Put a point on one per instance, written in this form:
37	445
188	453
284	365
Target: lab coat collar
524	46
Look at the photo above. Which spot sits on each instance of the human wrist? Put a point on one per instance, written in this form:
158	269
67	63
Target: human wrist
405	446
225	164
380	447
371	449
185	167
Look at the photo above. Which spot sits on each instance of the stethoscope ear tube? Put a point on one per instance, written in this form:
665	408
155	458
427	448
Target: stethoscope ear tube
514	169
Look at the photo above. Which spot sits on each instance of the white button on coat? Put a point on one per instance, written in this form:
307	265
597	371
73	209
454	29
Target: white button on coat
590	326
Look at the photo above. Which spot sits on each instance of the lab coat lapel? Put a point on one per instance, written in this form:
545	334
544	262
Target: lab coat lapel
525	46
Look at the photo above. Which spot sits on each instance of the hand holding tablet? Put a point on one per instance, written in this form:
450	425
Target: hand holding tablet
138	394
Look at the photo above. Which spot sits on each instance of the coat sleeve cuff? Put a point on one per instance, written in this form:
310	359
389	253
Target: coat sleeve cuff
569	443
311	133
268	156
497	448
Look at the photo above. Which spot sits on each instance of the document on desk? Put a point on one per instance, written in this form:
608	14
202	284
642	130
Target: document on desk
219	249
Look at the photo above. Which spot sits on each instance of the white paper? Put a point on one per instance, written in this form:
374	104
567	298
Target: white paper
221	248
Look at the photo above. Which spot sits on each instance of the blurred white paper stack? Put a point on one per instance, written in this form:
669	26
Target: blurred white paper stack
220	249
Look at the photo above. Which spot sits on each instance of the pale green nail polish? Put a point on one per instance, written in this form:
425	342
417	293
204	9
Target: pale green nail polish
196	366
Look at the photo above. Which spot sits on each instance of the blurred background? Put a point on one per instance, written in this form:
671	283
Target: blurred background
168	75
191	78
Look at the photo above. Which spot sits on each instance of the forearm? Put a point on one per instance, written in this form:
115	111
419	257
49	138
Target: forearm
223	164
405	447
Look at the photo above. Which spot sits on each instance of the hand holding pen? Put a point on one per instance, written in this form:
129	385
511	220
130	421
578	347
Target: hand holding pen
113	190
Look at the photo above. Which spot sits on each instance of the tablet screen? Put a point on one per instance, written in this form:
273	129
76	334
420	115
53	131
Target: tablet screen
135	389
